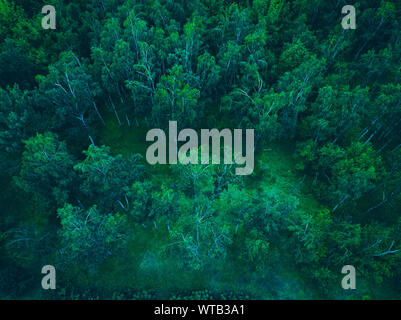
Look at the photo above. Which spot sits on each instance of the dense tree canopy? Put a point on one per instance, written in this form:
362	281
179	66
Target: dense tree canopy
75	106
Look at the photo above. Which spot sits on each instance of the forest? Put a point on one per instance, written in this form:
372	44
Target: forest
77	192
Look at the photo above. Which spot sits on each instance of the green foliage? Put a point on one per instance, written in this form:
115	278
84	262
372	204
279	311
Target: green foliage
105	176
46	169
76	102
89	237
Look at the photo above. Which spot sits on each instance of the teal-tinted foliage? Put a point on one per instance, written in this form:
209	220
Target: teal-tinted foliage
77	193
